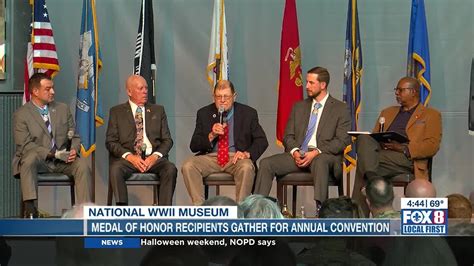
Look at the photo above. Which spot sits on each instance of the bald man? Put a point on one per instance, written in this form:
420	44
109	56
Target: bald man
139	140
420	188
420	124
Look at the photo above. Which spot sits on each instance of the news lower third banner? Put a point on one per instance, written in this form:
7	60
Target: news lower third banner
419	217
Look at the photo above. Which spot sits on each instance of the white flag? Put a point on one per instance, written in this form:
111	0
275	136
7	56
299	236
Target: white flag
217	67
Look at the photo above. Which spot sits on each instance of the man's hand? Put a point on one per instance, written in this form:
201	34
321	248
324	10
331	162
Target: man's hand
394	146
297	157
151	160
240	155
308	157
62	155
72	156
217	130
137	162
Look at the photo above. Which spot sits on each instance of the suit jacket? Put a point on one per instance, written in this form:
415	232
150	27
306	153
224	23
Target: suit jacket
248	134
331	134
423	131
122	131
31	134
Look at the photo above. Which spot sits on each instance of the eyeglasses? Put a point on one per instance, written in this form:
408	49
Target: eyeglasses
401	89
223	97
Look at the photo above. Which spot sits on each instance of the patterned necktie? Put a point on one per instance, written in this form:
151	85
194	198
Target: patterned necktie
311	126
223	148
139	126
44	115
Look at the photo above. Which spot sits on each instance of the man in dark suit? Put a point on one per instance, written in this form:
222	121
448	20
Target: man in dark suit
227	138
138	140
42	128
315	138
420	124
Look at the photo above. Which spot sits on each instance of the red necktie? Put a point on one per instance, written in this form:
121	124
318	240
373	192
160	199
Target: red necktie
223	148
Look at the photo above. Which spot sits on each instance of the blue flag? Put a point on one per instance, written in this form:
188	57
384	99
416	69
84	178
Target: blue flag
88	108
352	77
418	62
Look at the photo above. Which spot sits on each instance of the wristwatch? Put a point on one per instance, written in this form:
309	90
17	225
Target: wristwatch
406	152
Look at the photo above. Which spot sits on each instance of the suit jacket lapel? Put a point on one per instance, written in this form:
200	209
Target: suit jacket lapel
389	117
127	110
237	122
416	114
54	118
306	114
148	115
325	115
37	117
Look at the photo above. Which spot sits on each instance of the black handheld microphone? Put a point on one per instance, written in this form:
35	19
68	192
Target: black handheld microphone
70	135
382	123
143	148
221	114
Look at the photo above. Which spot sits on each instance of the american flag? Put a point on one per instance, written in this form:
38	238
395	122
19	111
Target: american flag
41	55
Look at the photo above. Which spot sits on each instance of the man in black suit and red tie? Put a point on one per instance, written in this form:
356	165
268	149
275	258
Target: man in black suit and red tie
228	138
139	140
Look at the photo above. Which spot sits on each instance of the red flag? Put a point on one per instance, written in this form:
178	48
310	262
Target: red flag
291	81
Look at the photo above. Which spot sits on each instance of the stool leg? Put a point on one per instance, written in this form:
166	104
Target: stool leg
218	190
280	194
295	188
73	196
109	194
206	192
155	195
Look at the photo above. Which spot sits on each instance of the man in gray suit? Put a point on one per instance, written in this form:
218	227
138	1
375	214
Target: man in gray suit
315	138
139	140
42	130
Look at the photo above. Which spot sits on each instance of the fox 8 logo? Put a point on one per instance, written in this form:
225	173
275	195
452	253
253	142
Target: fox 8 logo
424	216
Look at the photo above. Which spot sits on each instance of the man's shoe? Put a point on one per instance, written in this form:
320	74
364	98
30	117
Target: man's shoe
318	208
30	209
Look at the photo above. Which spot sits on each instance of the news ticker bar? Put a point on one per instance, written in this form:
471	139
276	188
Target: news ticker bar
199	227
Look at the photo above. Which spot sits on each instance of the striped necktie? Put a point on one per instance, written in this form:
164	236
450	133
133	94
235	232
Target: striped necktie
45	116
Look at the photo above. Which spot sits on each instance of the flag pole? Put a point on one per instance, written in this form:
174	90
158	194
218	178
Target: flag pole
93	175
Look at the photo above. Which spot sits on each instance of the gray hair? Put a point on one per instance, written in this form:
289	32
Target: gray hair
258	206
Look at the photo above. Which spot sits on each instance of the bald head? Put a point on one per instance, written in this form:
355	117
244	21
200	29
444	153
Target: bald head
137	89
420	188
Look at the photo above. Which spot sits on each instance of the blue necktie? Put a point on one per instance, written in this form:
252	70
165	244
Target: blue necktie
311	126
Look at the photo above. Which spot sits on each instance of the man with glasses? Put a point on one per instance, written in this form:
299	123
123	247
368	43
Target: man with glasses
228	138
420	124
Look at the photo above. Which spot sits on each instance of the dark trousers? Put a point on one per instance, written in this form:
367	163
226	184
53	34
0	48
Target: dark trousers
371	158
120	170
281	164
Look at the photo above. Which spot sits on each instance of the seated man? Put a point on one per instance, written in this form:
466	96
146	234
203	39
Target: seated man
379	192
227	138
315	138
138	140
420	124
42	130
